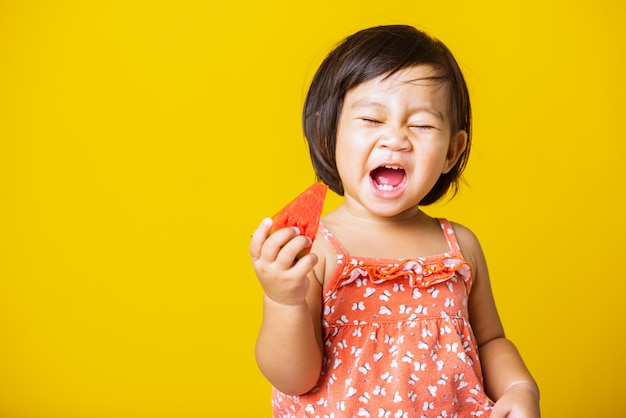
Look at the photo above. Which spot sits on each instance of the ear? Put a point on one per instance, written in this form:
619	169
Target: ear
458	143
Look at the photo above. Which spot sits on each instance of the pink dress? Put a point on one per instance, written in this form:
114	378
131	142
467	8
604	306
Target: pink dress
397	340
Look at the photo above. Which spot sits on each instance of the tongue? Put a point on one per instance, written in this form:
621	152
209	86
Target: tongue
388	176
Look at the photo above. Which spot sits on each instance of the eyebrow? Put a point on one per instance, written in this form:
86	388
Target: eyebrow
364	103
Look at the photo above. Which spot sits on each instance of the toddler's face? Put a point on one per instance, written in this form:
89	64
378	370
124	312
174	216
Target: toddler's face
394	140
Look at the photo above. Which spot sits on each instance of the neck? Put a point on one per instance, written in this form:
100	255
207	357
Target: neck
366	218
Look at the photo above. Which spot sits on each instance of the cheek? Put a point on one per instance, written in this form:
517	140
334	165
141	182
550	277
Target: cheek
350	160
345	152
432	159
343	165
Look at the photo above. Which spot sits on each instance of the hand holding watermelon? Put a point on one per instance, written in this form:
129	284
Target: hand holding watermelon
280	247
303	212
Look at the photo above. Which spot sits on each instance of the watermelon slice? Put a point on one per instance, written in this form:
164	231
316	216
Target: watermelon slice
303	212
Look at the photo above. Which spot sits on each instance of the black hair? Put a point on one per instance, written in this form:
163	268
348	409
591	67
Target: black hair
370	53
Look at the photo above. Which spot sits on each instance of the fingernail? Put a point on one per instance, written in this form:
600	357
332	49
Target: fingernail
295	228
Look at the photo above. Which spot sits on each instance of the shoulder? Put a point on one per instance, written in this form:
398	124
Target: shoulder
464	235
469	243
327	257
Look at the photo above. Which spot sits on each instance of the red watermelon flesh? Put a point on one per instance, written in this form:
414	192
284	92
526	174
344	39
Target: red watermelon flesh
303	212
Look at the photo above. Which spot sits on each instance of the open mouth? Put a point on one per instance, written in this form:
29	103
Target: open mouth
388	177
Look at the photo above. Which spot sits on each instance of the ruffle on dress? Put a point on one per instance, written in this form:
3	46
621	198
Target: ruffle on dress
417	271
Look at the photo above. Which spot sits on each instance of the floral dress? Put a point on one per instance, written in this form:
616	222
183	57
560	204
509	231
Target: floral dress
397	340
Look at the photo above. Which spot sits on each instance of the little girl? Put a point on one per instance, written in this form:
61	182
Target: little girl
392	313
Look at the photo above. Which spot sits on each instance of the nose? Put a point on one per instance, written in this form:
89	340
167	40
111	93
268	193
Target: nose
395	139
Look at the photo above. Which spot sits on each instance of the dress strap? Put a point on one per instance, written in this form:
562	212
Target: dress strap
448	231
330	238
342	256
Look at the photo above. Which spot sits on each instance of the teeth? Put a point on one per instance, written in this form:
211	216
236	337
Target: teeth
386	187
392	167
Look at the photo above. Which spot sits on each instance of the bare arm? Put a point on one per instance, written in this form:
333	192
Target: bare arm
288	349
507	380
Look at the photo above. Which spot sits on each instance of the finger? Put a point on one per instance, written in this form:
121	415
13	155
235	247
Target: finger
305	264
290	251
498	412
273	244
258	238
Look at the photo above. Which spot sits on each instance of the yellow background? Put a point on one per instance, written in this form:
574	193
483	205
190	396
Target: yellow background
141	142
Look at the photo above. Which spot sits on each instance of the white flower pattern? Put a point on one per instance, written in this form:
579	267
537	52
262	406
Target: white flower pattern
409	352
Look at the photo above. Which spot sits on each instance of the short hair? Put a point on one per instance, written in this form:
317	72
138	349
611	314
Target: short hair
367	54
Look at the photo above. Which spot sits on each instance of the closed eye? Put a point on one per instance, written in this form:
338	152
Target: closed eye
370	121
422	128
